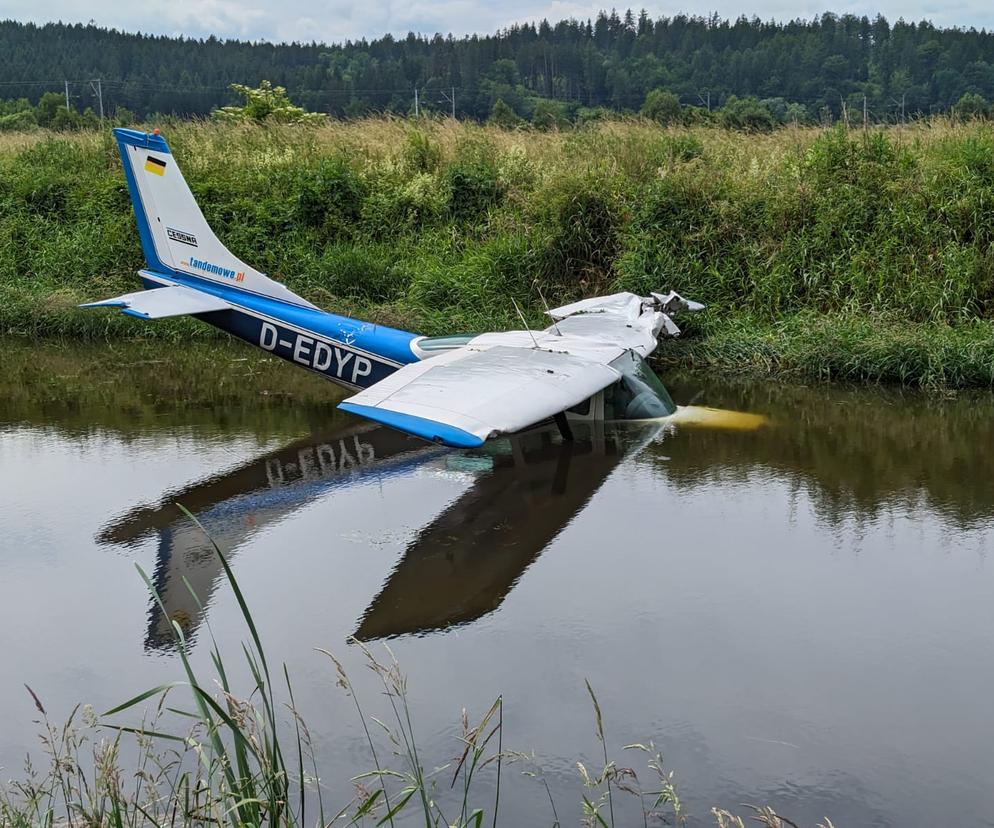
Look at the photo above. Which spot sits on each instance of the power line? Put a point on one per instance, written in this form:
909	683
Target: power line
135	84
98	90
452	100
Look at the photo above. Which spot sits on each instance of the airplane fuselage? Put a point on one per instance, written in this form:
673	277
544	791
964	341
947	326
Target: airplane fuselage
350	352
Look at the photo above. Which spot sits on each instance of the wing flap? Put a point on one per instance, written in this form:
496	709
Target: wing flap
158	303
463	397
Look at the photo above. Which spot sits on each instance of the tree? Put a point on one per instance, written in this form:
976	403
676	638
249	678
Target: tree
20	121
661	105
797	114
612	61
549	115
746	114
50	110
503	116
266	103
970	106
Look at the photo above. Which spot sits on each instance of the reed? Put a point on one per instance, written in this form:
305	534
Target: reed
248	760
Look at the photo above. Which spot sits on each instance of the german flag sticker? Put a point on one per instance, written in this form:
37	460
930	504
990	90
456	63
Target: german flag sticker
154	165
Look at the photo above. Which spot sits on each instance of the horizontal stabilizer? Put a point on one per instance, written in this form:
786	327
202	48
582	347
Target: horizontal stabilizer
466	396
158	303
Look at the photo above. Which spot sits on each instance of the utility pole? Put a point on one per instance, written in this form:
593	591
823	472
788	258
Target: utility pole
864	113
67	94
98	89
452	100
707	101
417	112
901	102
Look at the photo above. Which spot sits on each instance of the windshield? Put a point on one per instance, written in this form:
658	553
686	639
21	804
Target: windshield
639	395
444	343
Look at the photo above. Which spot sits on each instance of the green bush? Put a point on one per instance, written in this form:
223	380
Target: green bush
683	147
581	218
330	199
661	105
421	154
367	273
397	205
747	114
473	180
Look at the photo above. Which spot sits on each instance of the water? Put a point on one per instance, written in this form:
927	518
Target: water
798	615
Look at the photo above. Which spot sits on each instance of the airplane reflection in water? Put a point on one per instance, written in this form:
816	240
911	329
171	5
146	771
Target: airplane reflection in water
457	569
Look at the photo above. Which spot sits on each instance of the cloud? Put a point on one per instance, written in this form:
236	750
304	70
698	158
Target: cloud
339	20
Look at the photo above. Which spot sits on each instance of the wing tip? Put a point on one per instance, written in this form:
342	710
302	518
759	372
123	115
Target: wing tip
422	427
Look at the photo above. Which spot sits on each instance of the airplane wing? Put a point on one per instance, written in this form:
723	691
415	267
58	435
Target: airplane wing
158	303
466	396
500	383
624	319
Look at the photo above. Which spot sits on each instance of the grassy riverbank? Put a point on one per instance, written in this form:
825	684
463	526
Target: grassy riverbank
854	255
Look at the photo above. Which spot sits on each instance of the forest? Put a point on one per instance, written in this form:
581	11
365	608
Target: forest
826	69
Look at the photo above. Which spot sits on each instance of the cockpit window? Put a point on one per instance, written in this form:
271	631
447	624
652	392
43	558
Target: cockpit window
444	343
639	395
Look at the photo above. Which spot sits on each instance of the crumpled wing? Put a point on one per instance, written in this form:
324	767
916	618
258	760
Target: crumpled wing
158	303
622	319
466	396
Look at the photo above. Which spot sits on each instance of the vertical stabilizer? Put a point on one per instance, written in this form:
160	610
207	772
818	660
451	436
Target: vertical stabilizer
175	236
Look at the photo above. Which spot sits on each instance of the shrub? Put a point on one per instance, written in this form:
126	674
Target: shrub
396	205
661	105
582	216
503	116
367	273
331	198
420	153
747	114
474	182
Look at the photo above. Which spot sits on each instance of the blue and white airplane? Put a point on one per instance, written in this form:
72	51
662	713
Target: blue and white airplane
589	364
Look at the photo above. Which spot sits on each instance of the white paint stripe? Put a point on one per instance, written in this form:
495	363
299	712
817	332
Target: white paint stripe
155	277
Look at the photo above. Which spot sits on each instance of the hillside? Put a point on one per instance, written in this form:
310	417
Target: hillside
820	65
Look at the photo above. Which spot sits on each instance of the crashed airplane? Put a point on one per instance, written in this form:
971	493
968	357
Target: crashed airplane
589	364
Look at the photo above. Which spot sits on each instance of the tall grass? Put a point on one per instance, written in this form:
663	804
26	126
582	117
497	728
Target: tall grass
225	759
437	226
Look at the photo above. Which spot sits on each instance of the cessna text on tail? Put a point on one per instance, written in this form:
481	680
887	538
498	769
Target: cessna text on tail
458	391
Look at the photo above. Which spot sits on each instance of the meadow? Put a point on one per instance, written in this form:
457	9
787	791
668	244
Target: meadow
821	252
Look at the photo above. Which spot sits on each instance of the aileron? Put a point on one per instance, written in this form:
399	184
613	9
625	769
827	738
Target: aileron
482	392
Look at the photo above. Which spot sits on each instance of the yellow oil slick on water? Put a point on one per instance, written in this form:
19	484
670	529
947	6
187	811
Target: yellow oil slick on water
700	416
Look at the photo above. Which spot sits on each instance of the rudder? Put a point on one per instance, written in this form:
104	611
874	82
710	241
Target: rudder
175	236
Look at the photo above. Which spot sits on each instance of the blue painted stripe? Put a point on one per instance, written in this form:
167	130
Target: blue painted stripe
419	426
141	215
376	340
146	140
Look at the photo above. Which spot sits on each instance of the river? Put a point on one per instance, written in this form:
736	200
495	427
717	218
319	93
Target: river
799	614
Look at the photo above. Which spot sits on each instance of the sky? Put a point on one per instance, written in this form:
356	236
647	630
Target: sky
336	20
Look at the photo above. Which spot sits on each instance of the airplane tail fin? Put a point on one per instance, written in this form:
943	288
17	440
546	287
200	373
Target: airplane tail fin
175	236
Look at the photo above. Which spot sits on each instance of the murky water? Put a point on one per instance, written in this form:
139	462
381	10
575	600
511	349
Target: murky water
801	614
